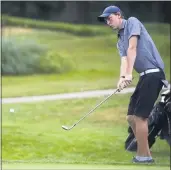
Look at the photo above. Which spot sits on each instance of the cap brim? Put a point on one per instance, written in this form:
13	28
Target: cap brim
102	17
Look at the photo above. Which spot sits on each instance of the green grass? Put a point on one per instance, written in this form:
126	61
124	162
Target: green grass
34	133
96	63
76	166
51	84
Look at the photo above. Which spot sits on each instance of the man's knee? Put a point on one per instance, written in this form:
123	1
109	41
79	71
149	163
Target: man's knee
130	119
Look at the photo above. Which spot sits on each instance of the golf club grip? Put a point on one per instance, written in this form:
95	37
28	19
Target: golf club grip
117	90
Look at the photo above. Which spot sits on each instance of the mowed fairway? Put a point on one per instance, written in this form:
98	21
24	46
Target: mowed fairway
33	133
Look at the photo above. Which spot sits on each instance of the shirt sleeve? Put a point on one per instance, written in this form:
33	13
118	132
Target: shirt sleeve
121	50
134	27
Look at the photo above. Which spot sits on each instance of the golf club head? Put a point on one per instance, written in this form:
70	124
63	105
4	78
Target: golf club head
68	128
65	127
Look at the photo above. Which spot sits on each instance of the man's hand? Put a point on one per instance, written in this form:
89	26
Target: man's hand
120	83
124	82
127	80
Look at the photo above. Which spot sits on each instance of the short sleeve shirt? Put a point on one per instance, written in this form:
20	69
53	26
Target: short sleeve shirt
148	56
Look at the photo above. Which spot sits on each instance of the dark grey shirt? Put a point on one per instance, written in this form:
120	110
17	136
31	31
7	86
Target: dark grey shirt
148	56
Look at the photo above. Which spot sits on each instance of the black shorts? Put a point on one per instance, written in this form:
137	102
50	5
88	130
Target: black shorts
146	94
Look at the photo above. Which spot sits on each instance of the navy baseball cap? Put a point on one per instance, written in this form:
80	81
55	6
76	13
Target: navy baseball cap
107	11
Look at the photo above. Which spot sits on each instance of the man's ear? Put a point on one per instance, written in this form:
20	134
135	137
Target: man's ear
119	14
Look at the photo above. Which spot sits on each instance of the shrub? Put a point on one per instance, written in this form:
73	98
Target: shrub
28	57
53	62
20	57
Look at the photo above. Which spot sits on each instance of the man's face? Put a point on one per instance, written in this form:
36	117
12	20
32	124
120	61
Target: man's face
113	21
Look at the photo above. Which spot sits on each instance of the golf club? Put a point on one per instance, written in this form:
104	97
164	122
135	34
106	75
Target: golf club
69	128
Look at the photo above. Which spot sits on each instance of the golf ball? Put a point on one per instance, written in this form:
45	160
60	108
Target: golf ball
11	110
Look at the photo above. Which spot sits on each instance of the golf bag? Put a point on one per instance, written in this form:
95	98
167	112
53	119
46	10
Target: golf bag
159	123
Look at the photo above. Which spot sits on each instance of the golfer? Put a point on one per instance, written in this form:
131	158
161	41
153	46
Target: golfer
137	51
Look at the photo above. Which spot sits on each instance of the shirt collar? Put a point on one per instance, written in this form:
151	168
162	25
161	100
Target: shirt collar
122	27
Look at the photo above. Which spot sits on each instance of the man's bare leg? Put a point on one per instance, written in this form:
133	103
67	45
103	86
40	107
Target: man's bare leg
131	121
141	125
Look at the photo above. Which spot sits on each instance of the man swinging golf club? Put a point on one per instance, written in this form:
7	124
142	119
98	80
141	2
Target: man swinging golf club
137	51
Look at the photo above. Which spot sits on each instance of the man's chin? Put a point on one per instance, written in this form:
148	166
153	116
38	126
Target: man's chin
114	28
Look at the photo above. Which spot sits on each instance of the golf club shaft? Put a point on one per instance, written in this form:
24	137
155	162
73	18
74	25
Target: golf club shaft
97	106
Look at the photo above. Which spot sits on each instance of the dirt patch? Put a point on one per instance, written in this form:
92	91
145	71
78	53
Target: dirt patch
15	30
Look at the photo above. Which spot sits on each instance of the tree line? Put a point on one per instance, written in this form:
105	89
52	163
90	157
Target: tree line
86	12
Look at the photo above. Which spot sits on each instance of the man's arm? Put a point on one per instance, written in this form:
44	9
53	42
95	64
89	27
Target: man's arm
123	66
122	53
134	30
134	33
127	63
131	54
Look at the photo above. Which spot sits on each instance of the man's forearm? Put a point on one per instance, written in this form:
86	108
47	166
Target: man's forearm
131	56
123	67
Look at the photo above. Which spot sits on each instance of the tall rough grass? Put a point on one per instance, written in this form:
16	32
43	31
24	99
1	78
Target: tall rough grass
29	57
